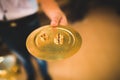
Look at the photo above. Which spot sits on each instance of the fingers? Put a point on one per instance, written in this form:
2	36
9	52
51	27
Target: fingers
59	20
63	21
55	21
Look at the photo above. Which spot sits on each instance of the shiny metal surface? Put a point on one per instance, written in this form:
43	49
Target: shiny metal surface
50	43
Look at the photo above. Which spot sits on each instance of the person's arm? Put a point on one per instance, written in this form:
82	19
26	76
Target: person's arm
54	13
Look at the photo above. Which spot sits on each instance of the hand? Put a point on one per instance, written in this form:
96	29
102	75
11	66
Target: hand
54	13
58	18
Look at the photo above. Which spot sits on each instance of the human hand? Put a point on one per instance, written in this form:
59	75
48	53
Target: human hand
54	13
58	18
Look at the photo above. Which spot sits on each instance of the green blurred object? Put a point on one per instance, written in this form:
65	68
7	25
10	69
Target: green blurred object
53	43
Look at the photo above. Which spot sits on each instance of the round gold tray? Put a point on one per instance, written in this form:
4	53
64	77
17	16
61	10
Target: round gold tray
50	43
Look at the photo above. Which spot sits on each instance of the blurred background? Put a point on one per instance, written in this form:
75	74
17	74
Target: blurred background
98	22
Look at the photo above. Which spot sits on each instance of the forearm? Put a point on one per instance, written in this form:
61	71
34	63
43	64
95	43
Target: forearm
54	13
49	5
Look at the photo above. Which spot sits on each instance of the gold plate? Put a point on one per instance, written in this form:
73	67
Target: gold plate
50	43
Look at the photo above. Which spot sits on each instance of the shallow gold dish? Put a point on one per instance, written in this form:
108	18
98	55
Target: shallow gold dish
50	43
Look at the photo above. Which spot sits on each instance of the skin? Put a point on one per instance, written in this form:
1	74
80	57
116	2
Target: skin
54	13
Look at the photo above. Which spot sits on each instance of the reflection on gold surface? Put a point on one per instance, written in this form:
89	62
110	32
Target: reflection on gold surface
53	43
99	55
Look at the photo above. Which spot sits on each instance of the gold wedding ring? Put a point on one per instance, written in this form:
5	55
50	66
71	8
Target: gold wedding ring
49	43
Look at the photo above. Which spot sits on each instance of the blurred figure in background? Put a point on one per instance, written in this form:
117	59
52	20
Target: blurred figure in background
18	18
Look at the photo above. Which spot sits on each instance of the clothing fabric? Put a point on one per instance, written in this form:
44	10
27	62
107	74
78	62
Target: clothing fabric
18	18
15	9
15	38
